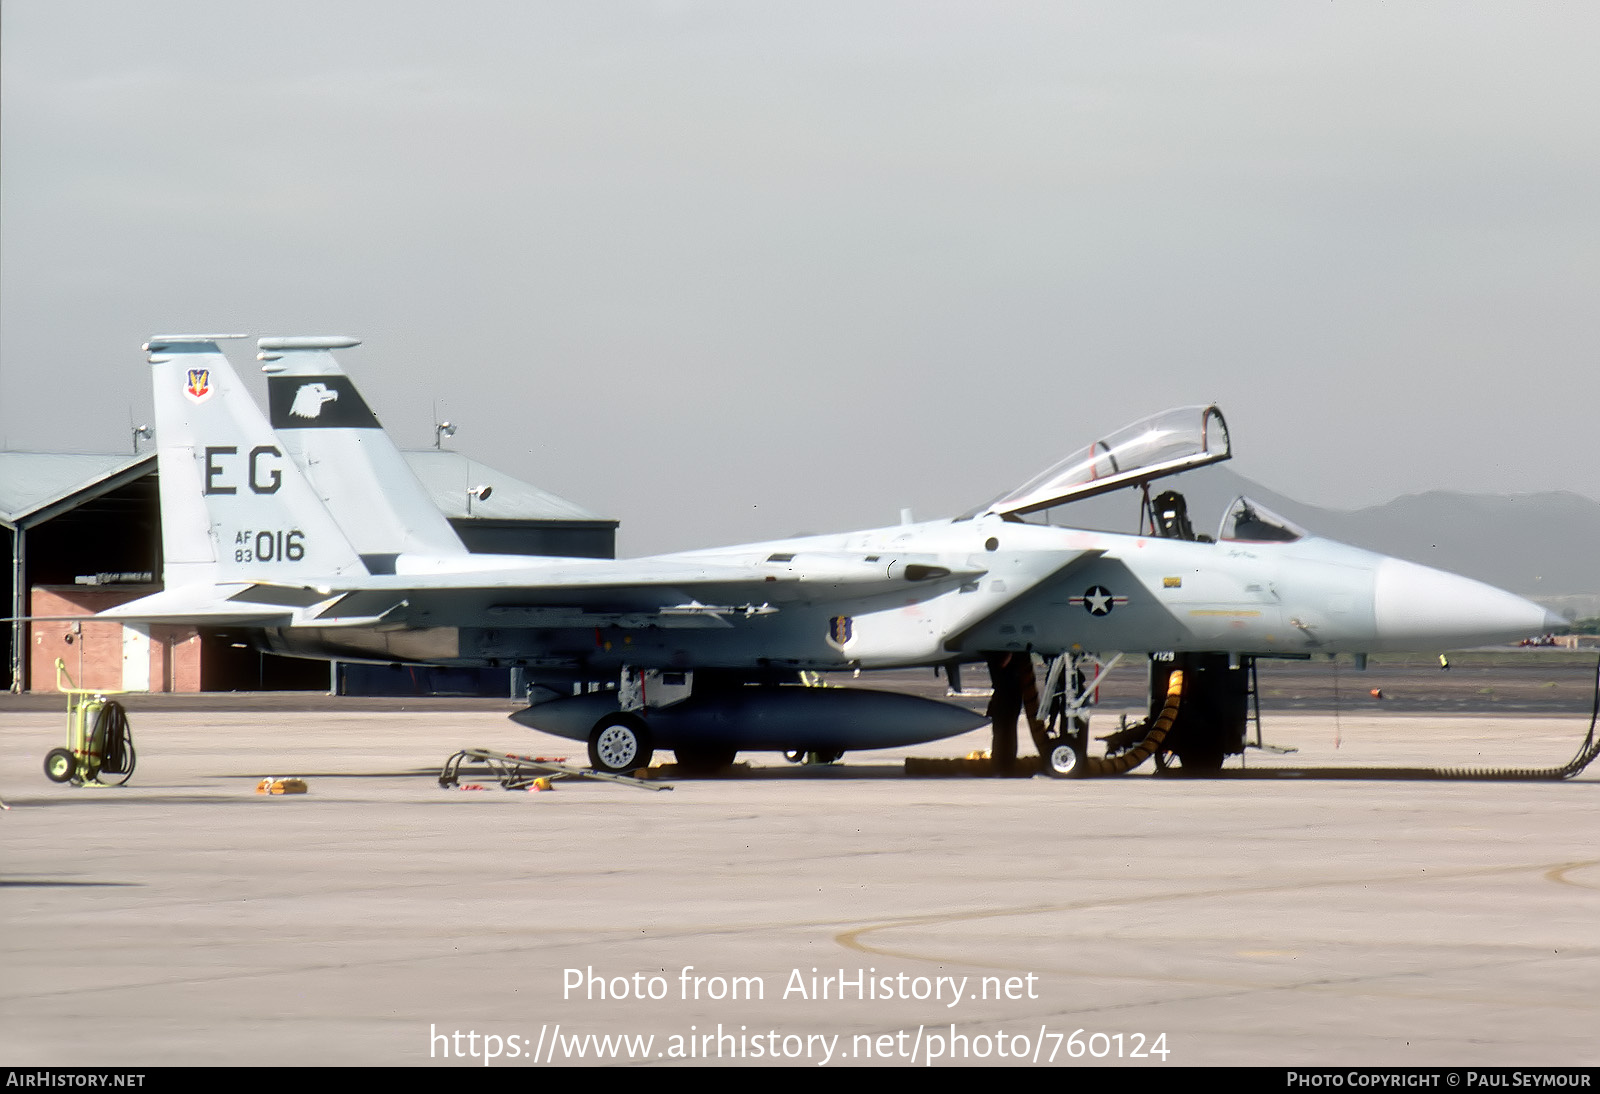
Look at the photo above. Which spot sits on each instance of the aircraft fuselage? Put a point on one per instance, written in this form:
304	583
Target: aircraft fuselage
1010	586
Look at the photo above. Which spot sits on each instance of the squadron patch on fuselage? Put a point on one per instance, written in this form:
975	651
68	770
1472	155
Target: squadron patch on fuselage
841	628
1098	600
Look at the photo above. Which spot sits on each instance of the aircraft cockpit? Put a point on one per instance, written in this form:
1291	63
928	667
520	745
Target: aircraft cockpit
1246	521
1249	522
1168	512
1135	456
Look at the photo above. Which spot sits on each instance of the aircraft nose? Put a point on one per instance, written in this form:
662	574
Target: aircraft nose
1433	608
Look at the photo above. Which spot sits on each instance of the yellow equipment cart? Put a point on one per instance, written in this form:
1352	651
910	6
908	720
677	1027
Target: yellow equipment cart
99	741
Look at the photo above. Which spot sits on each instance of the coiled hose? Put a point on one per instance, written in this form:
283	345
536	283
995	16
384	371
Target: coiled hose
1139	753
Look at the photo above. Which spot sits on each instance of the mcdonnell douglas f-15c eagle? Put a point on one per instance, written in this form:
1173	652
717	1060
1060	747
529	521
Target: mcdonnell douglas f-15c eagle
312	530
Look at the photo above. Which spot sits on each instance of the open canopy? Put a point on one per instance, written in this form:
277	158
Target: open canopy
1163	444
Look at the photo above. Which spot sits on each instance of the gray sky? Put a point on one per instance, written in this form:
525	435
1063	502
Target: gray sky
728	271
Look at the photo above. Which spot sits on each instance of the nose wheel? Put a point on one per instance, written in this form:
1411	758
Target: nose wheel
1063	735
1064	760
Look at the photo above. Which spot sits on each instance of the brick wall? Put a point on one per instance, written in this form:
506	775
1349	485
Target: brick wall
94	652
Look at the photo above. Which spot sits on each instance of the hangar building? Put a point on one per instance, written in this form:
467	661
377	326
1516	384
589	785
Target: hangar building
83	532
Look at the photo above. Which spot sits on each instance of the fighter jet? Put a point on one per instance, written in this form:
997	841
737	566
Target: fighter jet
311	529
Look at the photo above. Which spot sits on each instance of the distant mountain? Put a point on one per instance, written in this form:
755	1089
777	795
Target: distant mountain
1538	545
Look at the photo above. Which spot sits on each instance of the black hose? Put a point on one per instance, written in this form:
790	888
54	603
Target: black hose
1586	754
112	730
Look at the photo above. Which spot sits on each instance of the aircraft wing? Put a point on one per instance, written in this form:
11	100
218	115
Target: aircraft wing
954	640
567	592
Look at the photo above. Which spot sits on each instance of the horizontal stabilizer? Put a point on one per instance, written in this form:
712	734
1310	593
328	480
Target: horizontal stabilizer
207	604
283	596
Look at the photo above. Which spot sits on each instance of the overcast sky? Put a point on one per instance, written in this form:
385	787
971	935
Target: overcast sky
728	271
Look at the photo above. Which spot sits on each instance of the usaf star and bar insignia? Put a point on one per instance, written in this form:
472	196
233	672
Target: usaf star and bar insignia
1098	600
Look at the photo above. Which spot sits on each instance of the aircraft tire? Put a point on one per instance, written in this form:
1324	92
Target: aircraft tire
1202	763
620	743
1188	763
60	765
704	761
1063	761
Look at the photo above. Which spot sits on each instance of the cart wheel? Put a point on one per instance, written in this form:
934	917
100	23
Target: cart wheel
60	765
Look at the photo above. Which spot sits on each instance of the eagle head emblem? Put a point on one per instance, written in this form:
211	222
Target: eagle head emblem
309	400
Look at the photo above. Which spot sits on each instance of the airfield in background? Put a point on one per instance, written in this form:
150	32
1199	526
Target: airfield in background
187	920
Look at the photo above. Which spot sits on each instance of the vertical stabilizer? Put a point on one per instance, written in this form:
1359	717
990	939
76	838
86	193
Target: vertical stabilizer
234	507
357	471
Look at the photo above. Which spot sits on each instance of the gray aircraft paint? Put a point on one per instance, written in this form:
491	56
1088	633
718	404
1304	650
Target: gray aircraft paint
917	594
328	429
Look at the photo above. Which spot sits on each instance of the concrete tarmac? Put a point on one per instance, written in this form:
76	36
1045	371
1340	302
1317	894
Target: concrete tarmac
832	915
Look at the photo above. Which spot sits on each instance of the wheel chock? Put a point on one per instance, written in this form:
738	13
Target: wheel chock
274	785
980	767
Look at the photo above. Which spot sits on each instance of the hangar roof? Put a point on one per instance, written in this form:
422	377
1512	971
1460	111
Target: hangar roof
34	486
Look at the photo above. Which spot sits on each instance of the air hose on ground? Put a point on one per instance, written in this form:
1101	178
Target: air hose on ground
1061	760
1065	759
1139	753
1585	756
1587	753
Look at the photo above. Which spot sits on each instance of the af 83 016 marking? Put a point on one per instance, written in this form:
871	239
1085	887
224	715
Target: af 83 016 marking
269	546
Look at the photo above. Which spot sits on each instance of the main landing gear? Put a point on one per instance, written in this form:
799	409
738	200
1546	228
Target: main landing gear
620	743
